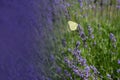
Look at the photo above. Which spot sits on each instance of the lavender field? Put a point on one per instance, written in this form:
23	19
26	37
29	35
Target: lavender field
92	51
59	40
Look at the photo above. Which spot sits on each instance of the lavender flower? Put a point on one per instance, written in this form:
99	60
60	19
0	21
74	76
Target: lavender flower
58	70
118	70
82	61
94	69
81	3
68	74
113	39
82	35
90	31
52	58
118	6
56	1
118	61
68	62
78	52
87	71
67	4
118	1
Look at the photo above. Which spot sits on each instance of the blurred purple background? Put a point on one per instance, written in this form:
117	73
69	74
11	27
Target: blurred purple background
19	20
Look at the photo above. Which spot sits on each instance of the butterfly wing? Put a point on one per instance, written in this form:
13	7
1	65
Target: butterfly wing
72	25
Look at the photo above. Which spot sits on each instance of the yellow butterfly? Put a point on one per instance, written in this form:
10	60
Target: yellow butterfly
72	25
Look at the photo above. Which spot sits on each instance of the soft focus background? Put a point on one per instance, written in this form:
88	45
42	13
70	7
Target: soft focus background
27	32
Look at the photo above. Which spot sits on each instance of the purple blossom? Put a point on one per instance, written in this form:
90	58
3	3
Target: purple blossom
118	1
118	70
94	69
81	3
68	74
118	6
82	35
56	1
66	60
87	71
52	58
118	61
76	52
82	61
67	4
80	28
113	39
78	72
90	32
58	69
92	36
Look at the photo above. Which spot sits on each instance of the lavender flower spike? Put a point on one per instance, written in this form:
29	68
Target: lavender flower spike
81	3
113	39
90	32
